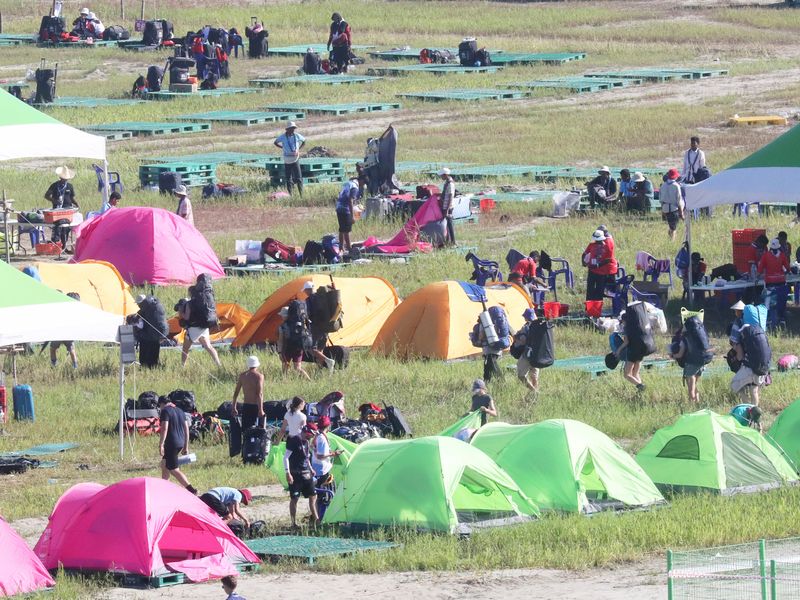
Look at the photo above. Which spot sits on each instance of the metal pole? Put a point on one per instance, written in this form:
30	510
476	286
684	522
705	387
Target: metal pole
689	242
122	10
669	575
773	580
762	567
5	228
141	14
121	409
106	193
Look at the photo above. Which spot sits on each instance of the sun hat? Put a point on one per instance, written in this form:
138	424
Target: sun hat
673	174
253	362
529	314
738	306
140	298
637	176
324	421
91	16
181	190
64	172
308	285
247	496
84	11
598	236
444	171
291	125
310	49
478	384
284	312
775	244
604	169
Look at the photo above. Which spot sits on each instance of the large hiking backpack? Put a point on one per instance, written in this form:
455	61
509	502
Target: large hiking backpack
155	321
167	30
297	336
482	56
51	28
757	353
698	348
466	52
330	249
279	251
500	321
540	346
203	306
297	311
154	77
184	400
330	300
45	86
145	401
638	330
153	33
312	64
115	33
313	253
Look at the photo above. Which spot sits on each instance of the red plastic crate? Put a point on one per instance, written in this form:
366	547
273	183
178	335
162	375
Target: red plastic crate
743	251
48	249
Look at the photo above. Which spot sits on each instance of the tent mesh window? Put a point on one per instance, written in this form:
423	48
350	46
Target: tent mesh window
685	447
745	463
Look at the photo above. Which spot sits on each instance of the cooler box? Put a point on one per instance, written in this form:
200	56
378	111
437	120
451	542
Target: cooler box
51	216
743	251
23	403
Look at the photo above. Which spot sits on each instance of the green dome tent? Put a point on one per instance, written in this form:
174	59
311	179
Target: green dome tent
707	451
274	461
785	432
431	483
567	465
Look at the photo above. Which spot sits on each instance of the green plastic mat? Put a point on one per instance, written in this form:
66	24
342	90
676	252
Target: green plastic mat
301	49
246	118
338	109
311	548
324	79
41	450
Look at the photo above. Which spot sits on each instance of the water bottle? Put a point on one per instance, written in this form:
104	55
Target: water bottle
753	273
187	459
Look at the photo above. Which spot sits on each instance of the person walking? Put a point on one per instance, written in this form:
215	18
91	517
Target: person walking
291	354
344	210
290	142
319	337
184	209
300	473
251	384
149	329
173	442
340	41
446	203
526	373
197	312
294	420
671	199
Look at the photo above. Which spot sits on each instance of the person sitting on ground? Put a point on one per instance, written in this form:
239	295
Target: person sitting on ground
774	265
229	585
113	202
339	43
251	383
482	401
174	441
312	64
348	196
300	473
602	189
294	420
748	415
289	356
62	196
80	26
227	501
526	373
671	199
193	312
446	203
641	193
625	184
95	26
69	345
319	337
322	463
184	204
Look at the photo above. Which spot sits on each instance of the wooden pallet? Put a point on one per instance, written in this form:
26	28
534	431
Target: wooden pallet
151	128
339	109
86	102
554	58
321	79
301	49
435	69
228	91
465	95
758	120
246	118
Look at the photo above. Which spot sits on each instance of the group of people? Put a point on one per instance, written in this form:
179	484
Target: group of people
88	25
339	45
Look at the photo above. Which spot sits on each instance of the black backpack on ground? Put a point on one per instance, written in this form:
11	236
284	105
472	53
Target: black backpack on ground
16	464
757	353
467	51
154	77
224	410
45	86
115	33
339	354
482	56
167	30
145	401
400	427
255	446
184	400
638	330
312	64
274	410
203	305
313	253
210	82
169	181
153	33
540	347
698	348
234	435
51	28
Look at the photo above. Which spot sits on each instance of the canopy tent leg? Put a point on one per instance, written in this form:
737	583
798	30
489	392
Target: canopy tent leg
689	243
106	193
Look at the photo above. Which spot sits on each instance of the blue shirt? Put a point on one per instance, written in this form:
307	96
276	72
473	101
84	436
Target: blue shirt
291	144
625	188
106	207
736	331
349	192
226	495
741	412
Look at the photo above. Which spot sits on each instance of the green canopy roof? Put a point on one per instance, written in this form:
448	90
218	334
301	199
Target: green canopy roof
785	432
707	451
567	465
782	152
431	483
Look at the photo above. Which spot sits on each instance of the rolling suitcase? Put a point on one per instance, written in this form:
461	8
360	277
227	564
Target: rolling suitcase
235	436
400	427
23	403
255	446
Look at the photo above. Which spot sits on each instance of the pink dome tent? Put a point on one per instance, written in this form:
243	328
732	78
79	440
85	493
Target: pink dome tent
145	526
147	245
21	571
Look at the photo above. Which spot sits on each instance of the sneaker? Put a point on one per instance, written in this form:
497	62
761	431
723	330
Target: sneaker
640	387
330	363
191	489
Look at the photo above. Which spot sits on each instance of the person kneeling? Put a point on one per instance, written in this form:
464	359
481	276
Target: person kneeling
226	501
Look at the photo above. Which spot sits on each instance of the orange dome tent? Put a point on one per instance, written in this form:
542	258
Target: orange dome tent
232	319
98	283
435	321
366	304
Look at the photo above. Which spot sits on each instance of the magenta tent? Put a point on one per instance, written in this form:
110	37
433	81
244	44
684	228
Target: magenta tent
147	245
144	526
21	571
408	238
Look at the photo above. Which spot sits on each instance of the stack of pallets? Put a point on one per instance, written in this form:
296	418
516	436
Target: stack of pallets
312	170
192	174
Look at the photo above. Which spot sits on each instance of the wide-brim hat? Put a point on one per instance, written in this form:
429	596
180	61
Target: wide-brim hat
291	125
84	11
638	176
598	236
444	171
181	191
738	306
604	169
64	172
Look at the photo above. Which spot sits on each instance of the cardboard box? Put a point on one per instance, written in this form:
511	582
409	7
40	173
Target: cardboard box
183	88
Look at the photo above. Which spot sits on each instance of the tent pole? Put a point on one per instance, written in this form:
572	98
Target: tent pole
105	181
6	215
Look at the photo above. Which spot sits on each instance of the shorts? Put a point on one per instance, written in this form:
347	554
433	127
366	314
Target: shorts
524	367
295	356
634	355
319	340
690	370
195	333
302	485
68	345
345	222
215	504
171	457
744	377
672	220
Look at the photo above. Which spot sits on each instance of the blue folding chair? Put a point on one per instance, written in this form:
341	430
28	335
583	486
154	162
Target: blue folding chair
114	180
618	292
655	267
653	299
484	270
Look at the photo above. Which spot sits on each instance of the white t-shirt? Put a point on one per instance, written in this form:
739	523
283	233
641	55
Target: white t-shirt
185	209
295	421
322	466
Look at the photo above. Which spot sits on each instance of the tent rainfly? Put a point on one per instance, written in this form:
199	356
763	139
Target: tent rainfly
21	571
31	312
785	432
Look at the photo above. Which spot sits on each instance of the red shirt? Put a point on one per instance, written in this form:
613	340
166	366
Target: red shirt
774	267
526	267
600	259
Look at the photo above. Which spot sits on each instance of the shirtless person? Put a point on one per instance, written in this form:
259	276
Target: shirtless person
251	382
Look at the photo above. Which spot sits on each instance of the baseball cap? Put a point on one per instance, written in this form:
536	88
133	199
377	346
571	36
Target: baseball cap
310	428
140	298
673	174
444	171
253	362
478	384
324	421
247	496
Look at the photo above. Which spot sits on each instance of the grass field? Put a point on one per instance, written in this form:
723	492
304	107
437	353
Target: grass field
646	126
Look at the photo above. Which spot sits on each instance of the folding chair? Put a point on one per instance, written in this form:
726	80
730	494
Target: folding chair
618	293
114	180
484	270
657	266
653	299
552	275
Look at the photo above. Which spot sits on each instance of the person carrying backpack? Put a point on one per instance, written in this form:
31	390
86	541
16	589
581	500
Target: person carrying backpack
199	313
344	210
290	345
753	352
526	373
637	342
149	329
493	352
319	337
691	351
